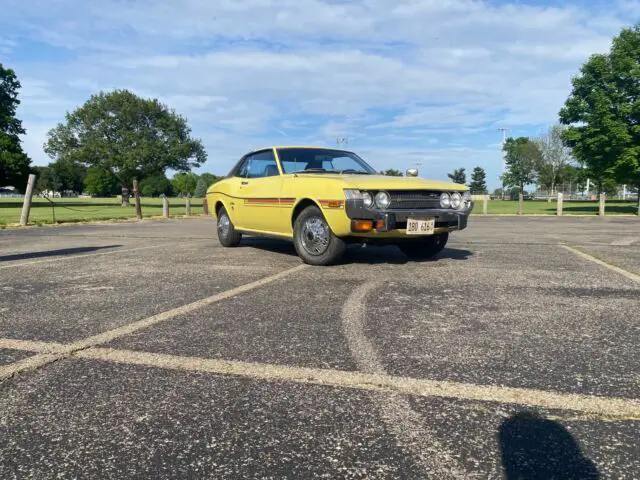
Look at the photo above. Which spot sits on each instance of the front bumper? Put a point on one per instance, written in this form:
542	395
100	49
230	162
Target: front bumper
446	219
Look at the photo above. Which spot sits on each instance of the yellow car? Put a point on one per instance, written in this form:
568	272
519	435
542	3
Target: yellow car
325	198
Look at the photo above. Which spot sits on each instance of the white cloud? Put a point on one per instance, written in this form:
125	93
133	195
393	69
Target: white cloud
387	73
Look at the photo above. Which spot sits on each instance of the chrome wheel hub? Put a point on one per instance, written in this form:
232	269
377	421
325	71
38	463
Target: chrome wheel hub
223	225
315	235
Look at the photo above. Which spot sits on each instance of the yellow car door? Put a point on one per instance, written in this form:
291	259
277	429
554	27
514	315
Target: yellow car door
260	190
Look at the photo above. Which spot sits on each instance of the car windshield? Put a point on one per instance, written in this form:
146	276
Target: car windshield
320	160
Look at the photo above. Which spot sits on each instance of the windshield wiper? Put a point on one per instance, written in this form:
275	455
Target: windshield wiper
316	170
357	172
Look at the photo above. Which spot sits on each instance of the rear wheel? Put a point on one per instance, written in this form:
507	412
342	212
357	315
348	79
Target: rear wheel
227	234
427	248
314	241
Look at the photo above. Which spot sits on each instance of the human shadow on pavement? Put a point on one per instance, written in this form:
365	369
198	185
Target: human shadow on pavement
53	253
534	447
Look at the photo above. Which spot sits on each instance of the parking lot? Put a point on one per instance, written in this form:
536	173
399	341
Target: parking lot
147	350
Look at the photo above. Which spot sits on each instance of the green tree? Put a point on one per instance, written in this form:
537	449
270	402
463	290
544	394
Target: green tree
14	163
458	176
523	159
201	188
132	137
478	183
603	112
100	182
392	172
155	185
184	183
209	178
67	175
555	156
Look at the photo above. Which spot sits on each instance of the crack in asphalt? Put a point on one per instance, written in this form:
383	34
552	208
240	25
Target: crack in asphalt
407	426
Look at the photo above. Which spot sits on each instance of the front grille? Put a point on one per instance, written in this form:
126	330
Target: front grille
414	199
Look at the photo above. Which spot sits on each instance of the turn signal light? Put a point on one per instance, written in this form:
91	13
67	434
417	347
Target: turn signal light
361	225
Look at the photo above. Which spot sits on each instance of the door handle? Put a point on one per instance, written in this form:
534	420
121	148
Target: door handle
244	183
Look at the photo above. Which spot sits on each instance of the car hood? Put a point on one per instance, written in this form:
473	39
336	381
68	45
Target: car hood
386	182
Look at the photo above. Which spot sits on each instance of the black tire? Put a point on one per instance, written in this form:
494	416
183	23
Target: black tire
228	237
304	238
425	249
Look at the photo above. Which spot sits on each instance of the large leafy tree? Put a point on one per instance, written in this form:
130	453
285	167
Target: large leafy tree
603	112
478	183
555	156
523	159
130	136
14	163
458	176
392	172
184	183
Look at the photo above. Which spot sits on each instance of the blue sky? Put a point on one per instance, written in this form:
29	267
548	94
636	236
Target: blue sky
406	81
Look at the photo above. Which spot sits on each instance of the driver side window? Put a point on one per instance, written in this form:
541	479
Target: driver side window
262	164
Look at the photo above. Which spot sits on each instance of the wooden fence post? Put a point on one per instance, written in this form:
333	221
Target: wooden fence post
205	206
28	195
520	203
187	205
165	207
485	204
602	203
136	196
560	201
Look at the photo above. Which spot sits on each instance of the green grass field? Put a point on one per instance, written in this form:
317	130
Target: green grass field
81	209
542	207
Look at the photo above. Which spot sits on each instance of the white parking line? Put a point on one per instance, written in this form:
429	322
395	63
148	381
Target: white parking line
625	241
625	408
73	257
586	256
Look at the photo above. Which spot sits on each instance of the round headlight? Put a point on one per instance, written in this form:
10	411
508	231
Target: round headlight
367	199
456	200
445	200
383	200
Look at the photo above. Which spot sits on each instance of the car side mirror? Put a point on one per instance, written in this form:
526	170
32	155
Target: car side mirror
412	172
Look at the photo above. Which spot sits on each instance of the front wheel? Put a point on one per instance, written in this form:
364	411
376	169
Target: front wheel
314	241
427	248
227	234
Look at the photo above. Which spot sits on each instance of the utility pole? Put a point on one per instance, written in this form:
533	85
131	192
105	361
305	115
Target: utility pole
504	131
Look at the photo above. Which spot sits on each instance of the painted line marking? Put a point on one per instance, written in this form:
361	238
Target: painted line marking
73	257
407	426
30	346
625	241
607	406
586	256
66	350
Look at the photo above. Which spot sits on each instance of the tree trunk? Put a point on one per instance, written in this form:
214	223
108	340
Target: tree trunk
521	200
638	187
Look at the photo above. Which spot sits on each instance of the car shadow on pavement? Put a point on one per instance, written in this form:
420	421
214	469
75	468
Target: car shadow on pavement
534	447
392	255
53	253
355	253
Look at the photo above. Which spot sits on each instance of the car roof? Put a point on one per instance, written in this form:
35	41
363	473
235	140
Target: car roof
297	146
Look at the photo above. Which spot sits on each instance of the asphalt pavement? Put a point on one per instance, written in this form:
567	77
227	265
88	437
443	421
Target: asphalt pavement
146	350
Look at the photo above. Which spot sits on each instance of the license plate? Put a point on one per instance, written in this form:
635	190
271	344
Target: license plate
419	226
